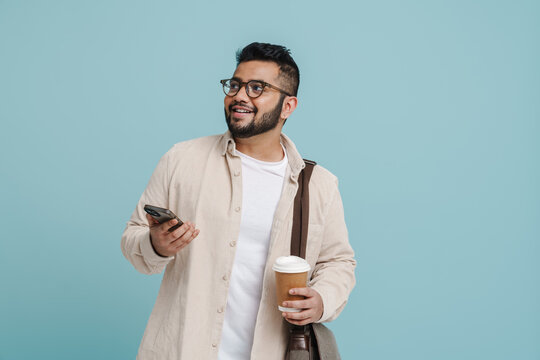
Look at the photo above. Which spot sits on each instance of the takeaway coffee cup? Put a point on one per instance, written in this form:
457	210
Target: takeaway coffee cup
291	272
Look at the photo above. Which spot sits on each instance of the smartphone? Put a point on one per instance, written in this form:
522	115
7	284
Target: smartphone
162	215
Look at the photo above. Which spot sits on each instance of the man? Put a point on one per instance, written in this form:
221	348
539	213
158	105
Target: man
217	299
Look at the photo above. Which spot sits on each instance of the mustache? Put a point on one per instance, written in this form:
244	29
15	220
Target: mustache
244	104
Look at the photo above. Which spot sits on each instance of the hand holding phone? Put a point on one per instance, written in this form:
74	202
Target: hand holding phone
162	215
168	234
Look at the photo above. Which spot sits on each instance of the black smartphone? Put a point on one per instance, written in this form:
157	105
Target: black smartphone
162	215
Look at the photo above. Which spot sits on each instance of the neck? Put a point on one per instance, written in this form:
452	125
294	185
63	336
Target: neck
264	147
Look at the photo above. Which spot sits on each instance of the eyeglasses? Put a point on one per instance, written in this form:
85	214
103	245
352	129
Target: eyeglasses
254	88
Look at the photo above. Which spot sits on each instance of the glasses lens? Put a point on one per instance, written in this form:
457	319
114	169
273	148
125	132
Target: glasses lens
255	88
230	87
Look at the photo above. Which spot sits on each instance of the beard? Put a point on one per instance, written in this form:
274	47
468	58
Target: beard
267	121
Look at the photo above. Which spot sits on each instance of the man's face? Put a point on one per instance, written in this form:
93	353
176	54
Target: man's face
246	116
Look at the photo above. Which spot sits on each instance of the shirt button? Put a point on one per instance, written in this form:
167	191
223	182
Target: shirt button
220	310
224	277
237	173
214	345
232	243
237	209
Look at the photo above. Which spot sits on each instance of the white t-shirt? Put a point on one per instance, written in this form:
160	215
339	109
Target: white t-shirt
262	183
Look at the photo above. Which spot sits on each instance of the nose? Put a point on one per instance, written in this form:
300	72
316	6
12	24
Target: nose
242	95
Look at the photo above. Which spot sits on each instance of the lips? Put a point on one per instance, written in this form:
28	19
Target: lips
241	110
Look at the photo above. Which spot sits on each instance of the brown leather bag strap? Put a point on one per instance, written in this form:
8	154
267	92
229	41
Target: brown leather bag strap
300	338
301	212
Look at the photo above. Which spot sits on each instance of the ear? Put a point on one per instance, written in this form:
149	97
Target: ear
288	107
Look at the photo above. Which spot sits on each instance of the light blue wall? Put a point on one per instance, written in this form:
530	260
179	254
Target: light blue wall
427	111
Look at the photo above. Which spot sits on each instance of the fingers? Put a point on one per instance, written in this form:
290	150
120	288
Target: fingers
184	234
306	303
178	224
163	230
305	291
167	225
312	307
169	243
299	304
178	232
185	230
300	318
151	221
180	244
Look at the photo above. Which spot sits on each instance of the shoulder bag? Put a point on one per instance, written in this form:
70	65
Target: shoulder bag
313	341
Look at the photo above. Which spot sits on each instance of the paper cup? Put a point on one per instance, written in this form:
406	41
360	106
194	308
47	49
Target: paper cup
291	272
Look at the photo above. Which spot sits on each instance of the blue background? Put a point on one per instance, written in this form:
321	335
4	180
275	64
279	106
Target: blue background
427	111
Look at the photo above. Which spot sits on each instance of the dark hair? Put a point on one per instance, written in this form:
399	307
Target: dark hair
288	70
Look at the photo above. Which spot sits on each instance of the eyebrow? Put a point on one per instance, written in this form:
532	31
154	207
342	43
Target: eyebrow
240	80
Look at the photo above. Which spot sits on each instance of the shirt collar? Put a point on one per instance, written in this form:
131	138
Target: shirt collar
295	159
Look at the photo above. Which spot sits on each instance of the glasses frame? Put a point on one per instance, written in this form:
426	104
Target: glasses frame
245	83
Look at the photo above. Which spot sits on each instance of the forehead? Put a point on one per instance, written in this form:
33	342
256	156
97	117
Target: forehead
257	70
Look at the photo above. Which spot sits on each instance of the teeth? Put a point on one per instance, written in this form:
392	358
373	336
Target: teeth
242	111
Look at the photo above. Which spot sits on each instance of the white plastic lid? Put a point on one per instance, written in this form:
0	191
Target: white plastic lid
291	264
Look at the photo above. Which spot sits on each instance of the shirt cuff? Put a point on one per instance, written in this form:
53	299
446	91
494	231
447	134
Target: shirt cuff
326	305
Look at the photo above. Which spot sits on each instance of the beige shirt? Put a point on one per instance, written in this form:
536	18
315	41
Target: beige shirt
200	181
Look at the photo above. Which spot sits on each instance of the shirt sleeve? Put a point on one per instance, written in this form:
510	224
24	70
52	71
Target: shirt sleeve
136	245
333	276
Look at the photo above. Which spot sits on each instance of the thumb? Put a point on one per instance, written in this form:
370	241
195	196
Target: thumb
151	221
